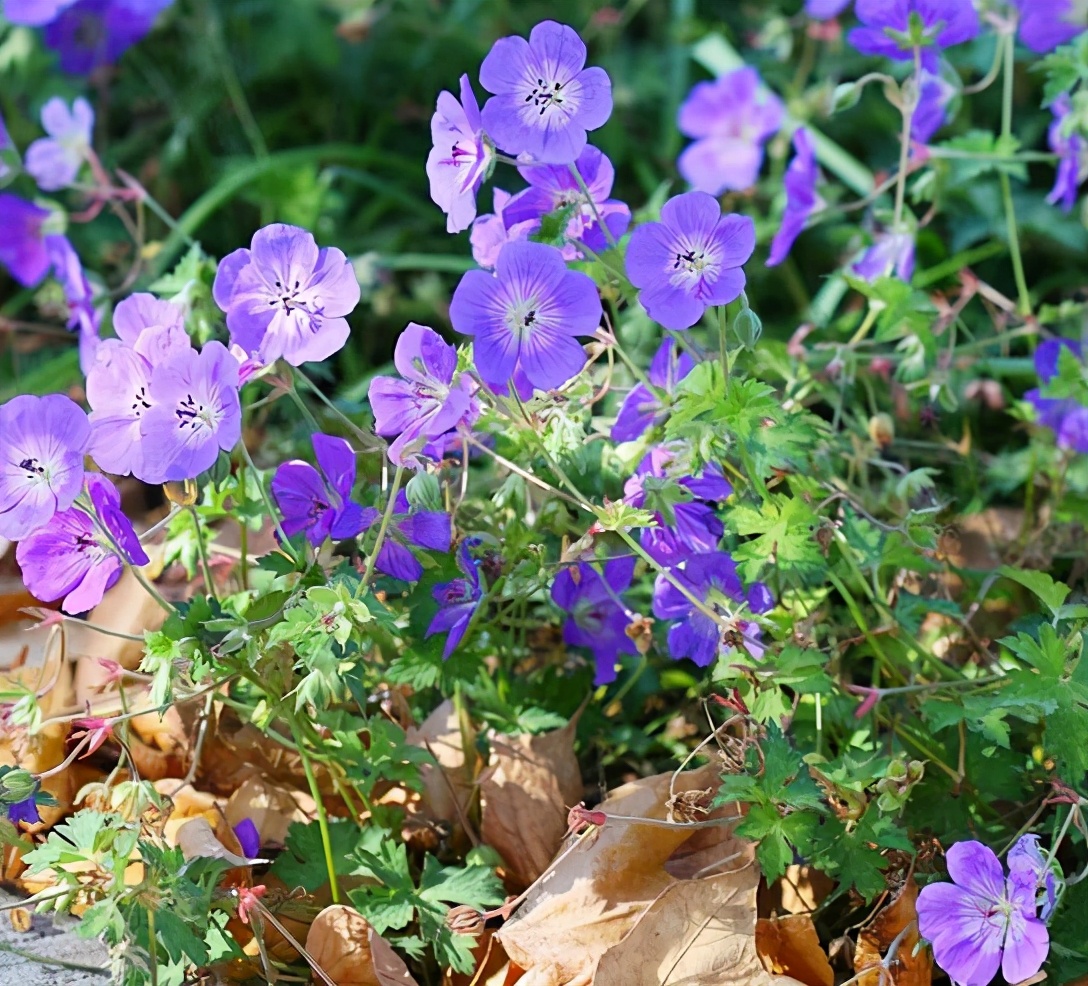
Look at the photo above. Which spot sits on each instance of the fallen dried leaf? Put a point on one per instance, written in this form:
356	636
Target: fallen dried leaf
270	807
799	890
196	840
348	950
791	946
448	788
876	938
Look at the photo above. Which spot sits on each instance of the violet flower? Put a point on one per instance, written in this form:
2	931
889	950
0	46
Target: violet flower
887	28
823	10
431	529
982	921
249	838
70	557
457	174
491	232
890	253
801	197
7	148
318	501
1070	149
730	118
598	620
83	317
286	298
553	187
526	317
1046	24
24	811
931	113
426	403
194	413
41	468
1066	417
91	33
457	600
54	161
33	13
689	261
22	239
640	409
544	99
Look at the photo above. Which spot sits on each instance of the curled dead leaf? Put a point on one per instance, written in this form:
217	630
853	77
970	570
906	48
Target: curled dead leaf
448	788
270	807
196	840
912	967
790	945
348	950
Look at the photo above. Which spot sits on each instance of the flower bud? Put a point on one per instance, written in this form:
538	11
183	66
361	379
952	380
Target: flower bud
882	429
749	327
17	785
465	920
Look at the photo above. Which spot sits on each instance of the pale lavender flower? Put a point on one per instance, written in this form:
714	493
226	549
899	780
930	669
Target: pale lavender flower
22	239
1066	417
71	557
730	118
890	253
194	413
1046	24
553	187
54	161
286	298
91	33
801	197
426	403
526	316
41	460
457	600
544	98
982	921
689	261
33	13
641	409
823	10
460	158
886	29
1070	149
1028	866
490	233
431	529
318	501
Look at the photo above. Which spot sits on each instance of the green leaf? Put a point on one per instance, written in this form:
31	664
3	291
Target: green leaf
784	529
475	886
1052	593
178	940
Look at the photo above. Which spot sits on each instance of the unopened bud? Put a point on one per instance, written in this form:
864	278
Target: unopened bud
465	920
17	785
882	429
749	327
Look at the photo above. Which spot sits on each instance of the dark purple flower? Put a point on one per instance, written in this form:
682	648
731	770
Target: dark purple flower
1045	24
544	99
598	619
41	464
286	298
1070	149
249	839
490	233
689	261
426	403
431	529
553	186
461	155
54	161
526	316
890	253
887	28
92	33
83	317
641	409
823	10
730	119
982	921
931	113
24	811
1066	417
22	240
71	557
457	600
318	501
801	197
33	13
194	412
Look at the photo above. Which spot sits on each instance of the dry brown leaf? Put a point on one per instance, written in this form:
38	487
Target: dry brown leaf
525	793
597	893
270	807
448	788
21	921
196	840
349	951
800	890
491	964
876	937
790	946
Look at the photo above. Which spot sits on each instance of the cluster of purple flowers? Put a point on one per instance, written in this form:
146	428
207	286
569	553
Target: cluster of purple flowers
1067	417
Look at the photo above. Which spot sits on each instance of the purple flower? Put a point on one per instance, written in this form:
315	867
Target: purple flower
1066	417
54	161
92	33
889	252
318	501
426	403
22	241
553	187
457	174
801	197
694	634
730	119
690	260
641	409
823	10
33	13
1045	24
544	99
249	839
41	460
286	298
1028	866
526	316
24	811
982	921
151	333
490	233
71	557
1070	149
598	619
194	412
430	529
931	113
82	315
6	146
887	30
457	600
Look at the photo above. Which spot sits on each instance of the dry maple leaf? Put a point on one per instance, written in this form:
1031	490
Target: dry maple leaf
878	935
790	945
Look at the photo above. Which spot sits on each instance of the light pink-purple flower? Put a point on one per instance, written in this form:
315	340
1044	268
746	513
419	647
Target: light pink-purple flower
54	161
891	253
491	232
1070	148
801	197
460	158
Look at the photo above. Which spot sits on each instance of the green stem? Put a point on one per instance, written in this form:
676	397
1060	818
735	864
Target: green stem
368	572
368	440
152	947
285	542
202	552
322	816
1012	233
907	109
607	233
